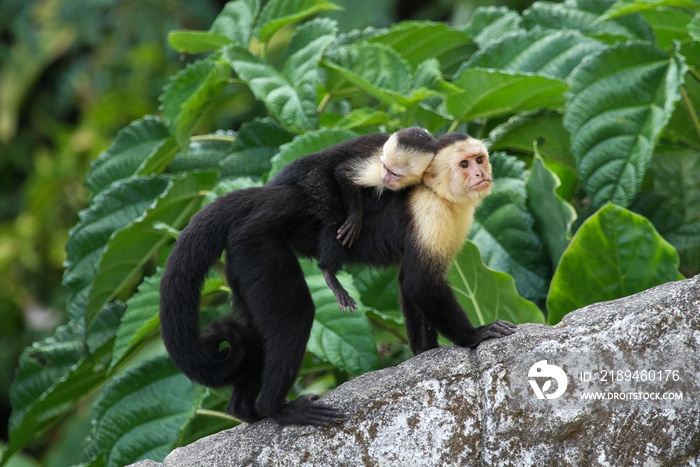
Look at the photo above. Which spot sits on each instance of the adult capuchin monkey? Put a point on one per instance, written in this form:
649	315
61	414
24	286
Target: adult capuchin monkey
263	228
333	179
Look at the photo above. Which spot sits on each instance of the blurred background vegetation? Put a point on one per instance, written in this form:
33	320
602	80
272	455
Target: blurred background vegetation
72	73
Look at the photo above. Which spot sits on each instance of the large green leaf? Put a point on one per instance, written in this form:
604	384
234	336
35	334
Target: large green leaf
621	99
547	53
110	211
584	16
122	159
685	121
279	13
236	21
503	231
128	250
55	374
545	128
488	295
669	26
489	93
196	42
674	205
379	290
306	144
205	153
615	253
375	69
143	414
140	318
417	41
490	23
294	107
234	25
341	338
553	216
189	93
626	7
256	142
305	49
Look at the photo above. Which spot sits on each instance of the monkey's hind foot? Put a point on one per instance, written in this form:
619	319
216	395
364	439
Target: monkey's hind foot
345	301
304	410
498	328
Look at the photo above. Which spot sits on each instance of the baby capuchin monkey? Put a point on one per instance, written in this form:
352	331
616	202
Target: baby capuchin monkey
333	179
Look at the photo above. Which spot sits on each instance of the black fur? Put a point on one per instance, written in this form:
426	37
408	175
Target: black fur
327	178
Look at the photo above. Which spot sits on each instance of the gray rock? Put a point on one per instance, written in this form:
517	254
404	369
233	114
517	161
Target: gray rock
462	407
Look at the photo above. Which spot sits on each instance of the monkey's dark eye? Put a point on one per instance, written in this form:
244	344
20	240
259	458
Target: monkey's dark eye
480	160
464	164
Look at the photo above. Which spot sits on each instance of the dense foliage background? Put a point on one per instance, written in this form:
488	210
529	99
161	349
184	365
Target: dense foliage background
590	109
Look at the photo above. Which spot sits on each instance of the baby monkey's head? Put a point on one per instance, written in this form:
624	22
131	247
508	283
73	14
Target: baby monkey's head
406	155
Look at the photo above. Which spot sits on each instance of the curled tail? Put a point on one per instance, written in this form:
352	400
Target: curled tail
199	245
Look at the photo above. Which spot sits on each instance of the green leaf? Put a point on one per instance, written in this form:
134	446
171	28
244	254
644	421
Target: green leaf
544	128
626	7
110	211
205	153
374	69
236	21
615	253
256	142
621	99
694	27
140	318
122	159
363	117
669	26
490	93
487	295
144	414
546	53
54	375
553	216
685	121
234	25
189	93
306	144
379	290
295	108
341	338
584	16
418	41
674	205
503	231
128	250
304	52
279	13
490	23
197	42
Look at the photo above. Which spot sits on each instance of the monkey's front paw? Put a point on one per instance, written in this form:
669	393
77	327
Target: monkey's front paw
304	410
498	328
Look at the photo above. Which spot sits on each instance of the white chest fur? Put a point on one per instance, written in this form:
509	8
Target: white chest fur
441	226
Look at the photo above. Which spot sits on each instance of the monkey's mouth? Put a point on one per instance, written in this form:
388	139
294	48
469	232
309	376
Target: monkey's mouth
480	185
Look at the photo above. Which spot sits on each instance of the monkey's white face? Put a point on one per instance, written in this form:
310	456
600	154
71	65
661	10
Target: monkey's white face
461	172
